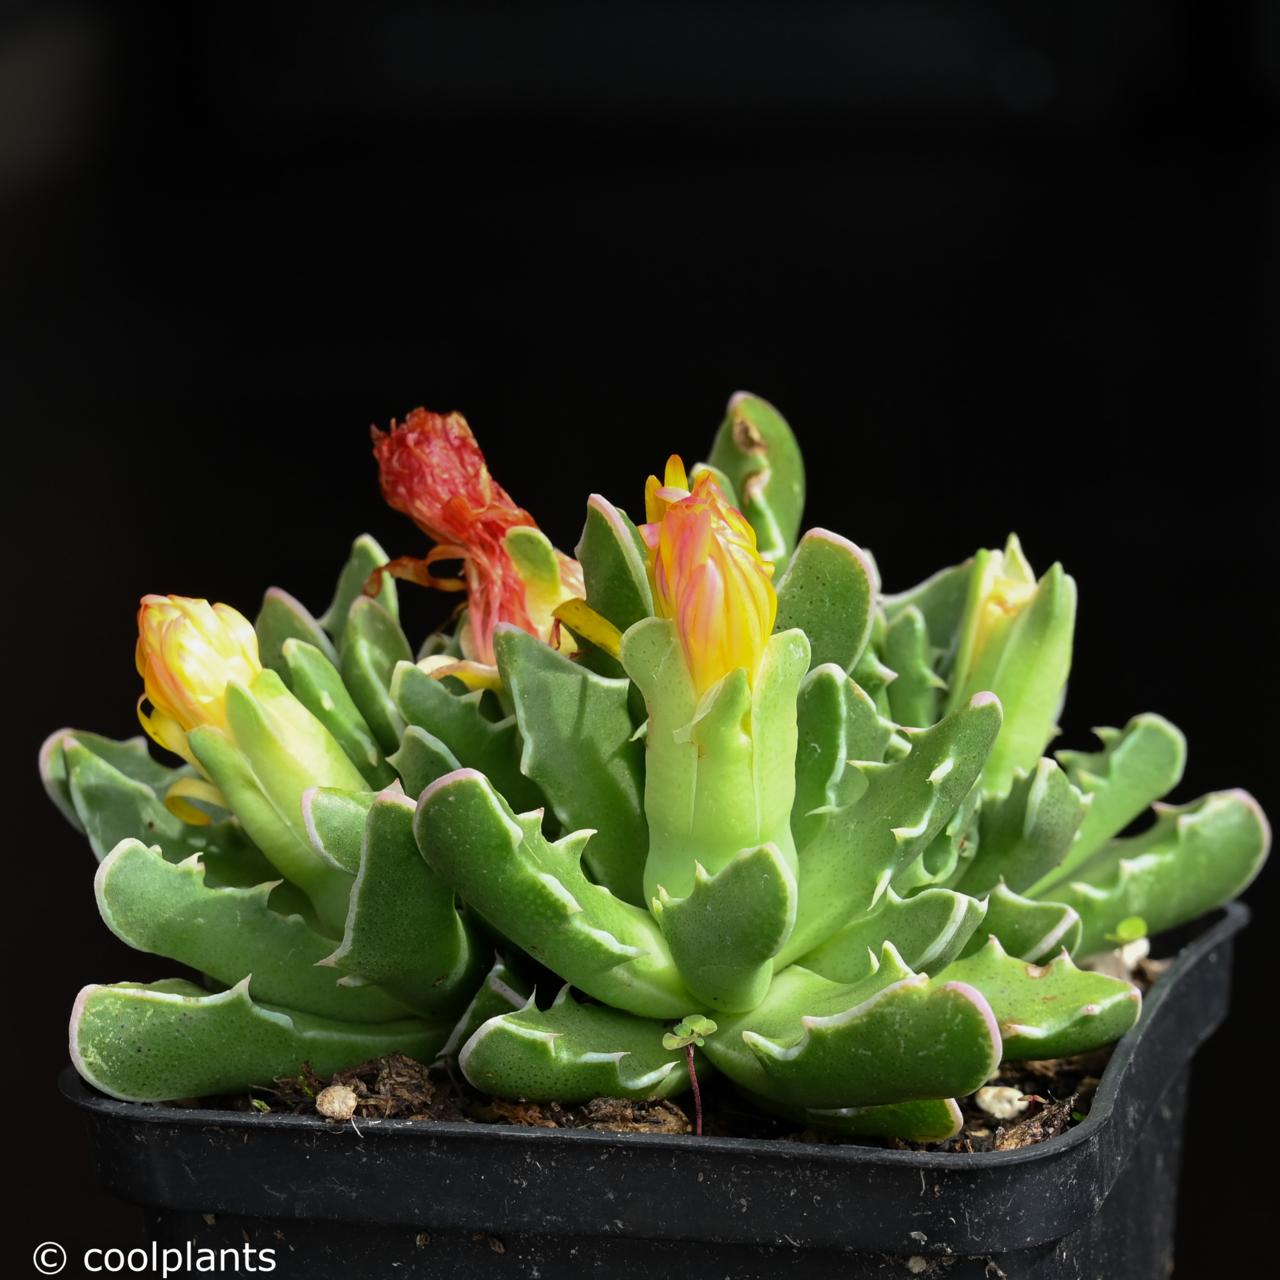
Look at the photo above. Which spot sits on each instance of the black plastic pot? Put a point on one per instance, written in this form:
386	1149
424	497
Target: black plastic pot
400	1198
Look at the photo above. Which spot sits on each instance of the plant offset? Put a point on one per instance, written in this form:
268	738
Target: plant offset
726	805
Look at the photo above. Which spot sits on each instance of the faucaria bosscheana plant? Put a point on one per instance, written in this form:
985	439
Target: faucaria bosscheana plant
706	773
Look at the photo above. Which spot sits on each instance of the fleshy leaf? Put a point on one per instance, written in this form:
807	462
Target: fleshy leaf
1196	857
421	759
720	770
613	559
153	1043
756	449
1031	931
403	930
1020	649
903	806
129	757
1023	835
580	748
372	645
1136	766
535	893
927	930
816	1043
1048	1011
169	909
459	722
873	676
269	818
572	1052
366	556
111	806
502	991
335	821
282	618
929	1120
725	934
828	590
317	684
940	600
914	694
836	722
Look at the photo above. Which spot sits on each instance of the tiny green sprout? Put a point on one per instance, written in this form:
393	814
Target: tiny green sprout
692	1030
259	1104
688	1032
1130	929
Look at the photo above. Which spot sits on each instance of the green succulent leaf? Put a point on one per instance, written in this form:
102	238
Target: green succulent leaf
502	991
929	1120
891	822
1048	1011
1136	766
613	560
403	929
724	935
828	590
282	618
317	684
275	751
1016	643
366	556
1031	931
814	1043
915	693
535	893
836	722
572	1052
335	821
580	749
947	853
928	930
1023	835
1194	858
110	805
459	722
873	676
941	601
372	645
421	759
171	1039
720	770
757	451
129	757
169	909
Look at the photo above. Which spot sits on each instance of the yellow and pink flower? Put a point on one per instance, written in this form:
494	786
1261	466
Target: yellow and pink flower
707	575
188	652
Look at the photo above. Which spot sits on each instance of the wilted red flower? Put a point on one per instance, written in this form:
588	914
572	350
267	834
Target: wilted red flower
432	470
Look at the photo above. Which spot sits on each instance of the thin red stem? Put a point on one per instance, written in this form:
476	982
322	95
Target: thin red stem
697	1093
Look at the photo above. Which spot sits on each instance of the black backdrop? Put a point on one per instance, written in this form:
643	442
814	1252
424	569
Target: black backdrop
1003	265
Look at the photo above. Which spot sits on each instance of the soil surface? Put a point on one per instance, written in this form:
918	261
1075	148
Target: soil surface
1057	1093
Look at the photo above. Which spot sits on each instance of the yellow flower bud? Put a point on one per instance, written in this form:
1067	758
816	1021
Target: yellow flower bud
188	652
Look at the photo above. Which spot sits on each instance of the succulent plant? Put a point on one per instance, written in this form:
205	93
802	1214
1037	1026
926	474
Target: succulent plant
753	816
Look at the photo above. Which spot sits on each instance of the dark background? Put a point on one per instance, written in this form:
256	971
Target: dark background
1003	265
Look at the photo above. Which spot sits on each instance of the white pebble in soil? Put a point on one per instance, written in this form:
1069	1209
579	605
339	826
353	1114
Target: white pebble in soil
337	1102
1001	1101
